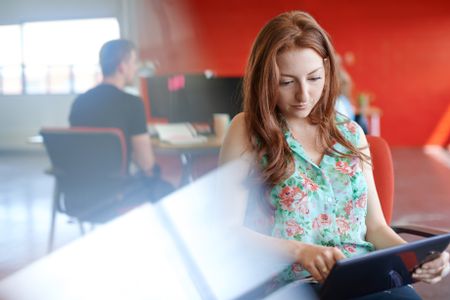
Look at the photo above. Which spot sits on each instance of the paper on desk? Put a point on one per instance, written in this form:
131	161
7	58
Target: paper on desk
178	133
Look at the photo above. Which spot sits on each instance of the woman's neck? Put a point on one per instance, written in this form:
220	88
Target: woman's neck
300	125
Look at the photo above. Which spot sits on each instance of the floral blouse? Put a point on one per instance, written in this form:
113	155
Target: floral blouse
323	204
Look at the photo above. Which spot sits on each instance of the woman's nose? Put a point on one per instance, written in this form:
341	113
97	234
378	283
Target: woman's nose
301	92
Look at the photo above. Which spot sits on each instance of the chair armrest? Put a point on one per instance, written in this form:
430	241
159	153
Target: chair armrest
49	171
53	172
419	230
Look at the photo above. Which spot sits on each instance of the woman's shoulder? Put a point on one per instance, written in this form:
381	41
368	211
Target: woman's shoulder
239	118
350	129
238	127
237	141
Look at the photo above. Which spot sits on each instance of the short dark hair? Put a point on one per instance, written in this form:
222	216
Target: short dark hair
113	53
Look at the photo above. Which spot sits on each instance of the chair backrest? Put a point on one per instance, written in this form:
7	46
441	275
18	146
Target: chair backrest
383	172
95	151
90	165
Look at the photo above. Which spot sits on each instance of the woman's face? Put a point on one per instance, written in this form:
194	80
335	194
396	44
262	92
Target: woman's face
302	79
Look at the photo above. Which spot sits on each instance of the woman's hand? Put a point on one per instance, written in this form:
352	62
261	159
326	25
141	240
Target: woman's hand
435	270
318	260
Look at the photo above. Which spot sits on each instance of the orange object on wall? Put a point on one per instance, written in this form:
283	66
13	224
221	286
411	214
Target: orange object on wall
441	133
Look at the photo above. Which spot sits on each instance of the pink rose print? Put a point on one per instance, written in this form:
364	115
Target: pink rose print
350	248
350	127
356	165
348	207
316	224
297	268
321	220
292	198
344	168
303	206
287	197
343	226
309	184
356	219
362	201
292	228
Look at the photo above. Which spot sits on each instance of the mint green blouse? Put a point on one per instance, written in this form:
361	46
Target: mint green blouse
323	204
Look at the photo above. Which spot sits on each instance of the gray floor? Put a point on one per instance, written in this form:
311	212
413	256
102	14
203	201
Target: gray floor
25	202
422	197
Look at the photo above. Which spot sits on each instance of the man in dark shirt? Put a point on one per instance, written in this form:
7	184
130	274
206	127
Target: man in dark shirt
107	105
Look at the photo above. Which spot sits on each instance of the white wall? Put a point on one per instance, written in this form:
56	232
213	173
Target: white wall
23	116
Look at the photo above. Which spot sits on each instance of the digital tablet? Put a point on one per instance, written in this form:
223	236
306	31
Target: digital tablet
380	270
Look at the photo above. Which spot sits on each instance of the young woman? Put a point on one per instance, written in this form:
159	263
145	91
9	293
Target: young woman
314	162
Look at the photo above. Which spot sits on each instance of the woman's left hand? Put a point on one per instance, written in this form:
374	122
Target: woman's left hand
435	270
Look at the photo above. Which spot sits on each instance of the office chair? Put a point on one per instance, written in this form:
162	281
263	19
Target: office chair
90	170
383	172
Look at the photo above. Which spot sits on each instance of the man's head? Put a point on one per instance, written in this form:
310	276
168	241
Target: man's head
119	57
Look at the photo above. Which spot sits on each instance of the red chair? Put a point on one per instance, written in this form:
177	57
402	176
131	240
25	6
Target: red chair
90	170
383	172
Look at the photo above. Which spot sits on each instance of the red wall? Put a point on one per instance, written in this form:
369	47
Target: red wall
401	49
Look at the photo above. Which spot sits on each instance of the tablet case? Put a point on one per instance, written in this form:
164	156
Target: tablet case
380	270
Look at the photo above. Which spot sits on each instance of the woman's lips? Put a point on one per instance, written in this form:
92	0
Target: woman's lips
299	106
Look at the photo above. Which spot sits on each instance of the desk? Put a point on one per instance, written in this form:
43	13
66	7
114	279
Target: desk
35	139
187	153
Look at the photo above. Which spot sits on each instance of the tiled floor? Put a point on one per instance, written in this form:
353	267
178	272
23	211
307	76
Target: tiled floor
422	197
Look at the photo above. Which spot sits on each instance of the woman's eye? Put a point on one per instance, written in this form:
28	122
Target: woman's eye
286	82
315	78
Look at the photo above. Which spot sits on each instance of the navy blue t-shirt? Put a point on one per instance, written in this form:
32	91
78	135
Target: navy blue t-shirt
107	106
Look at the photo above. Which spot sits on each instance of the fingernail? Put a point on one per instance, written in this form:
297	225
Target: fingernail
418	271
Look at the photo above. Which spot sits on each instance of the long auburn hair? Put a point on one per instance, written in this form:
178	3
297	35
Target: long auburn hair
264	122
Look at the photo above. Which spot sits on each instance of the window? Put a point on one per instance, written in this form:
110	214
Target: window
10	60
55	57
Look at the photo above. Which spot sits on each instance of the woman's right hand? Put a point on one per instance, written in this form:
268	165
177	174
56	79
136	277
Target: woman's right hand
318	260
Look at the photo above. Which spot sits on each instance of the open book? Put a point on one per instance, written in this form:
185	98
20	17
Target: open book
178	133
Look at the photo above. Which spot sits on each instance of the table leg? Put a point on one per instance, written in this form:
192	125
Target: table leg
186	169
